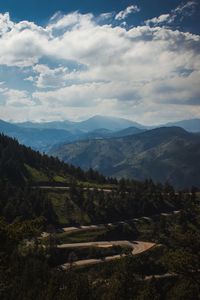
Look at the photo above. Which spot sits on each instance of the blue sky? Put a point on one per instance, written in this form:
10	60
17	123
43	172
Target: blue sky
40	11
71	60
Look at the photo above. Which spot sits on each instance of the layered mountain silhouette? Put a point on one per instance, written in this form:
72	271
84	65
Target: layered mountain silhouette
163	154
37	138
189	125
91	124
43	136
118	147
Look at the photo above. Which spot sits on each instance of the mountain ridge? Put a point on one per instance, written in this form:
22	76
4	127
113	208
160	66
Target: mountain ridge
163	154
42	136
90	124
191	125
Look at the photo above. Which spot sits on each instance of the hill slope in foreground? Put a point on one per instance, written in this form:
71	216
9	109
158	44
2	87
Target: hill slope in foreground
20	165
85	197
32	263
163	154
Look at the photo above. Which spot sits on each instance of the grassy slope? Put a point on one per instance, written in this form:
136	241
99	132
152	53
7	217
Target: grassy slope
66	211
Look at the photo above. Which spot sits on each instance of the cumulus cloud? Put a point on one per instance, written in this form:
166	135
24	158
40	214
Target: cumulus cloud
19	98
49	78
159	20
5	23
123	14
74	19
131	72
180	12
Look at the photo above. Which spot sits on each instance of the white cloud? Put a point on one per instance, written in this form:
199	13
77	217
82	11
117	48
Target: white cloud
158	20
49	78
105	16
180	12
5	23
134	73
23	44
74	19
125	13
19	98
186	9
87	94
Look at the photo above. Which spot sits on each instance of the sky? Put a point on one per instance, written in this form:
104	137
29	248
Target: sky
70	60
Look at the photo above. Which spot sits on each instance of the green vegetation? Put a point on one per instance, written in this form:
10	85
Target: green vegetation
81	236
161	154
58	178
19	165
30	265
36	175
130	200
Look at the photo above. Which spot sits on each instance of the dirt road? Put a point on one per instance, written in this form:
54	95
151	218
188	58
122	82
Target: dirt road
99	226
137	248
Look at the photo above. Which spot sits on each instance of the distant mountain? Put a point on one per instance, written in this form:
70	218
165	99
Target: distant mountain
43	136
92	124
20	165
127	131
65	125
163	154
36	138
110	123
106	133
192	125
98	134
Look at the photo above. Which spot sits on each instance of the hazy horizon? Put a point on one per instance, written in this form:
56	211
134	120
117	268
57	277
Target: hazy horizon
93	116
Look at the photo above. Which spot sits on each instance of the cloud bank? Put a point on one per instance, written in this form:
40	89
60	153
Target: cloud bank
75	67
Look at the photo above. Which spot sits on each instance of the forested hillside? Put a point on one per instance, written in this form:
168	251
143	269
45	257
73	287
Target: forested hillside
22	170
20	164
30	262
162	154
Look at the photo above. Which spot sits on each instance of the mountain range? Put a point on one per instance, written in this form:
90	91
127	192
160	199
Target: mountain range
163	154
91	124
192	125
37	138
43	136
118	147
110	123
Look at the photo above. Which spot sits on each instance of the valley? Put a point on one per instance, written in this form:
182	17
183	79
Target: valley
100	150
163	154
68	225
118	147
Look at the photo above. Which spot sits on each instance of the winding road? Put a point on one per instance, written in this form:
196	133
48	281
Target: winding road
137	248
67	188
99	226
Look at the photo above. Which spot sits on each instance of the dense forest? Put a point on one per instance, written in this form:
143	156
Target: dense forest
30	265
125	199
130	199
20	164
170	271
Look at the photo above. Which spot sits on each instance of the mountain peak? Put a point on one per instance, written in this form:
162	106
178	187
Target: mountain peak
107	122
